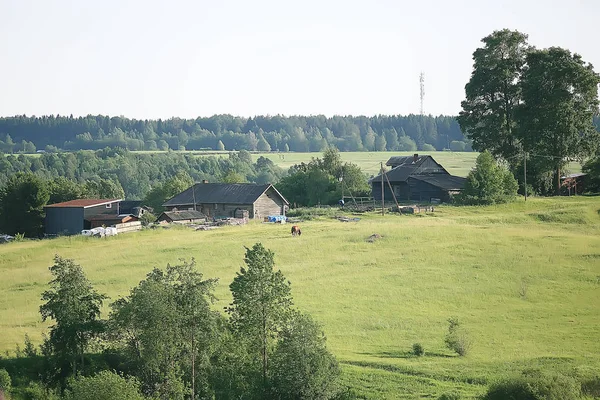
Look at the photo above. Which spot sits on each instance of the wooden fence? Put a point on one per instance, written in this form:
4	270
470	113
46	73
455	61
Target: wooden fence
128	227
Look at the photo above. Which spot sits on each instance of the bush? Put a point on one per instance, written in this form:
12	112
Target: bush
535	386
457	339
105	385
418	350
5	382
449	396
36	391
591	387
488	183
427	147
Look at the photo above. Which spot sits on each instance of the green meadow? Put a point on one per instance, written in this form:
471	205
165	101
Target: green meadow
523	278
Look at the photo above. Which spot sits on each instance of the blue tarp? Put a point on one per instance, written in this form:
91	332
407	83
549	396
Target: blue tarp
277	218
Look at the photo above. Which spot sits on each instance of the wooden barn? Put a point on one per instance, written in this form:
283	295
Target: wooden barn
417	178
224	200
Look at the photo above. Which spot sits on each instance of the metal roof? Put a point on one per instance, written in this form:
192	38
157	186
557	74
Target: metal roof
183	215
443	181
221	193
84	203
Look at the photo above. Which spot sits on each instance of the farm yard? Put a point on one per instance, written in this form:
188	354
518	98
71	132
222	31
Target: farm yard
523	278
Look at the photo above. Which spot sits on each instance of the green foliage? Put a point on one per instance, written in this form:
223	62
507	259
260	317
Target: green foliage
37	391
318	181
592	169
232	177
261	302
105	385
103	189
302	368
488	183
493	93
450	396
427	147
63	189
457	339
535	385
521	100
22	201
5	381
74	306
162	192
165	327
559	99
147	218
418	349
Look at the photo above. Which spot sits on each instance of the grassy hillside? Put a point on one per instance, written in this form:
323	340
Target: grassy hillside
523	278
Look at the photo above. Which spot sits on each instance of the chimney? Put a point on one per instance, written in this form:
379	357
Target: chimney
415	157
204	181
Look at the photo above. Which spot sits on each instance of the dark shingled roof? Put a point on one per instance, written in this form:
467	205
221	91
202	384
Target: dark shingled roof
443	181
404	166
183	215
221	193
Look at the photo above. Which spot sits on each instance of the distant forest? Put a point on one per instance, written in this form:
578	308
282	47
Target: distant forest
23	134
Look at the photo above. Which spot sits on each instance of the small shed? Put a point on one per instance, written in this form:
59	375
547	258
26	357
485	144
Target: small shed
182	217
97	221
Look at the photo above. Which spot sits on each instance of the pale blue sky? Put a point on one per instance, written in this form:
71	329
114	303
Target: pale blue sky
158	59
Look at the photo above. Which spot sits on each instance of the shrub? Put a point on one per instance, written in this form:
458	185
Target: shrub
535	385
591	387
105	385
418	350
5	382
449	396
457	339
488	183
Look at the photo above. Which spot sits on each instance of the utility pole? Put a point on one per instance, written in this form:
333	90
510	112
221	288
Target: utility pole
382	195
525	176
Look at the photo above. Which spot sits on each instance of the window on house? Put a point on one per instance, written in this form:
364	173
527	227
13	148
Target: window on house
109	205
216	206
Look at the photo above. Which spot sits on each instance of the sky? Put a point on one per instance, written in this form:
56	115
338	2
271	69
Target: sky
151	59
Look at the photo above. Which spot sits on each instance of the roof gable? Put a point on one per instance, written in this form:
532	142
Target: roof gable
221	193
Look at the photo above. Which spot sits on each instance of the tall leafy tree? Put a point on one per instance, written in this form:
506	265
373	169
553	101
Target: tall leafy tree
22	201
74	305
261	302
165	329
303	368
559	100
493	94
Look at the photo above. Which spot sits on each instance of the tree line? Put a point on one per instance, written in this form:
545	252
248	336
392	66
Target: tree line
135	174
28	134
164	340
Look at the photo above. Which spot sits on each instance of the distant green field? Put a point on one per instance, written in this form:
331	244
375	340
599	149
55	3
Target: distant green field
524	279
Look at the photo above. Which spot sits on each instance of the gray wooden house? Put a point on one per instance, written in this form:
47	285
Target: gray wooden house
71	217
223	200
417	178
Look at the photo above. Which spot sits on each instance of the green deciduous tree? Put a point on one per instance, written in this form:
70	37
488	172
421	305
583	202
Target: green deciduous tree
106	385
63	189
592	169
74	305
162	192
165	329
22	201
493	94
261	302
103	189
488	183
302	368
560	98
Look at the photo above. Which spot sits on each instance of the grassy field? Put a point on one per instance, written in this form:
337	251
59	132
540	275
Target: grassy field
523	278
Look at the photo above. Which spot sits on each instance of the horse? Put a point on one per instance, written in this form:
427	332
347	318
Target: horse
296	230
